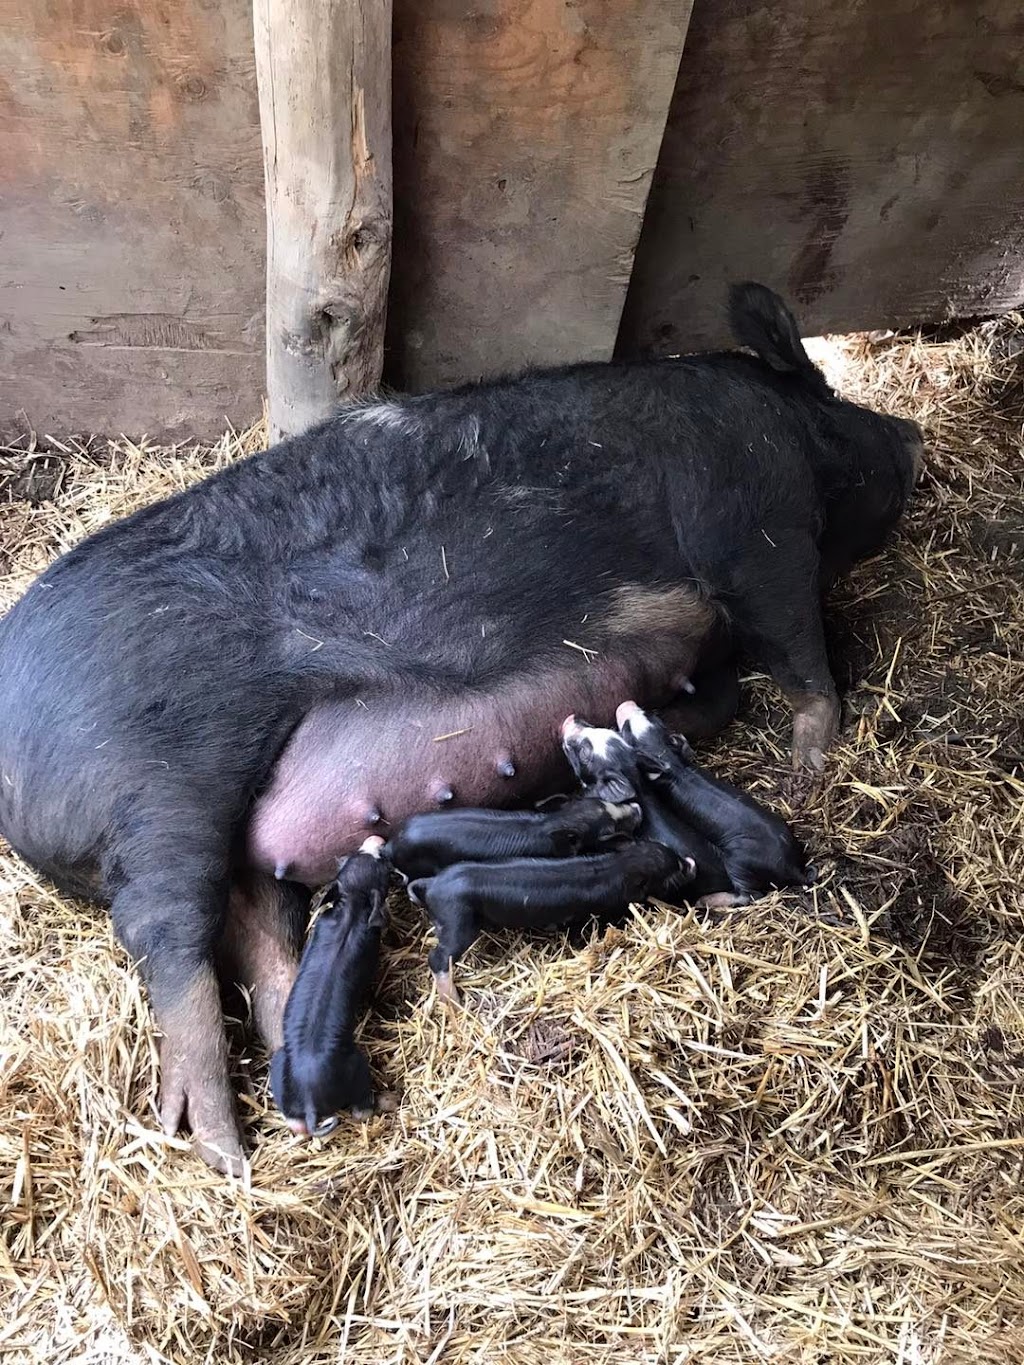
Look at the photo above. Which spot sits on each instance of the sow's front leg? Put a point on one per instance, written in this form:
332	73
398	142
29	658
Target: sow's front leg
777	615
169	891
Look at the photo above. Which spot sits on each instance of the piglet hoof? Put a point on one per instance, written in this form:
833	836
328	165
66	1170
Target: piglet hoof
326	1126
208	1105
447	990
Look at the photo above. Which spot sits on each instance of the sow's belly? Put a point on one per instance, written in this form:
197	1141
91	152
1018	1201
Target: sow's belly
355	767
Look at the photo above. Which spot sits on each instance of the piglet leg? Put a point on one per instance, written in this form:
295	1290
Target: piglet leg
457	930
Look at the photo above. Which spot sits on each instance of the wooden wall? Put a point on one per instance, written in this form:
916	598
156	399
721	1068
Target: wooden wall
526	134
131	216
864	156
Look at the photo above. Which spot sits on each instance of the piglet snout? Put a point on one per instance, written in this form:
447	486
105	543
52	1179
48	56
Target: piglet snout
372	846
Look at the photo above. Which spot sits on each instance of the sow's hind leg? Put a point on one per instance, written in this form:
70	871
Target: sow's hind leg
167	874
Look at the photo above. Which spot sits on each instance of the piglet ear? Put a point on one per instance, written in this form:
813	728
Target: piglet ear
378	910
615	788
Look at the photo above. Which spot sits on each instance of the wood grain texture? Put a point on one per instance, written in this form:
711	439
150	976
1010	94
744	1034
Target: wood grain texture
865	159
131	217
525	136
324	76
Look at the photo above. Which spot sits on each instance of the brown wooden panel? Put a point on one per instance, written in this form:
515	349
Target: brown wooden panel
864	157
525	135
131	216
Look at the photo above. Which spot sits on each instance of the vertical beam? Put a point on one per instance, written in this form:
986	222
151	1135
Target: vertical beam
324	73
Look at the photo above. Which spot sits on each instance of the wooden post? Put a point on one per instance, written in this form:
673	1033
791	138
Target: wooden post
324	73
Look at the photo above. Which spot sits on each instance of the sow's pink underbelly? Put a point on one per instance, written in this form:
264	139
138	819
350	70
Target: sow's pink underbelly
358	767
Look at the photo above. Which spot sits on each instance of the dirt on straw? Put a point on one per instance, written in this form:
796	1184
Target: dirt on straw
792	1133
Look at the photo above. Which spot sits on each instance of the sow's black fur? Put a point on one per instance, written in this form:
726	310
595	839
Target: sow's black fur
149	678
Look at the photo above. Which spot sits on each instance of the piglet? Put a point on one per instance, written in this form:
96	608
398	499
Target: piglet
759	850
604	762
536	893
320	1070
426	843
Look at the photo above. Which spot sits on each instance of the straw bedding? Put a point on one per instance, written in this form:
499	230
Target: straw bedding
791	1133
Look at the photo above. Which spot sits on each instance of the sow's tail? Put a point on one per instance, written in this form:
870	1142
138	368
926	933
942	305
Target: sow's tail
759	319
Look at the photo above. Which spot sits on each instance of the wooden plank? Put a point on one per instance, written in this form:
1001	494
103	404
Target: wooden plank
131	217
324	74
525	136
865	159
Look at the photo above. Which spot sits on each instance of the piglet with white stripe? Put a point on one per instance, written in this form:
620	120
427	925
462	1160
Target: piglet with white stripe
759	850
604	763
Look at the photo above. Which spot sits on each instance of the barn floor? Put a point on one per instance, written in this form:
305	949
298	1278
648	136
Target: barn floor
793	1134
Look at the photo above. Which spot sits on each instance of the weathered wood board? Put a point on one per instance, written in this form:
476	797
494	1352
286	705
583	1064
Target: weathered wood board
131	216
525	136
864	158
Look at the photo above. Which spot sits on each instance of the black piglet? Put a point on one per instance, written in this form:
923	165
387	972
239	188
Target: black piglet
759	850
320	1070
426	843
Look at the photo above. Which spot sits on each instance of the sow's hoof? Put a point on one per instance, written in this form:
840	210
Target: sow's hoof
209	1105
815	726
